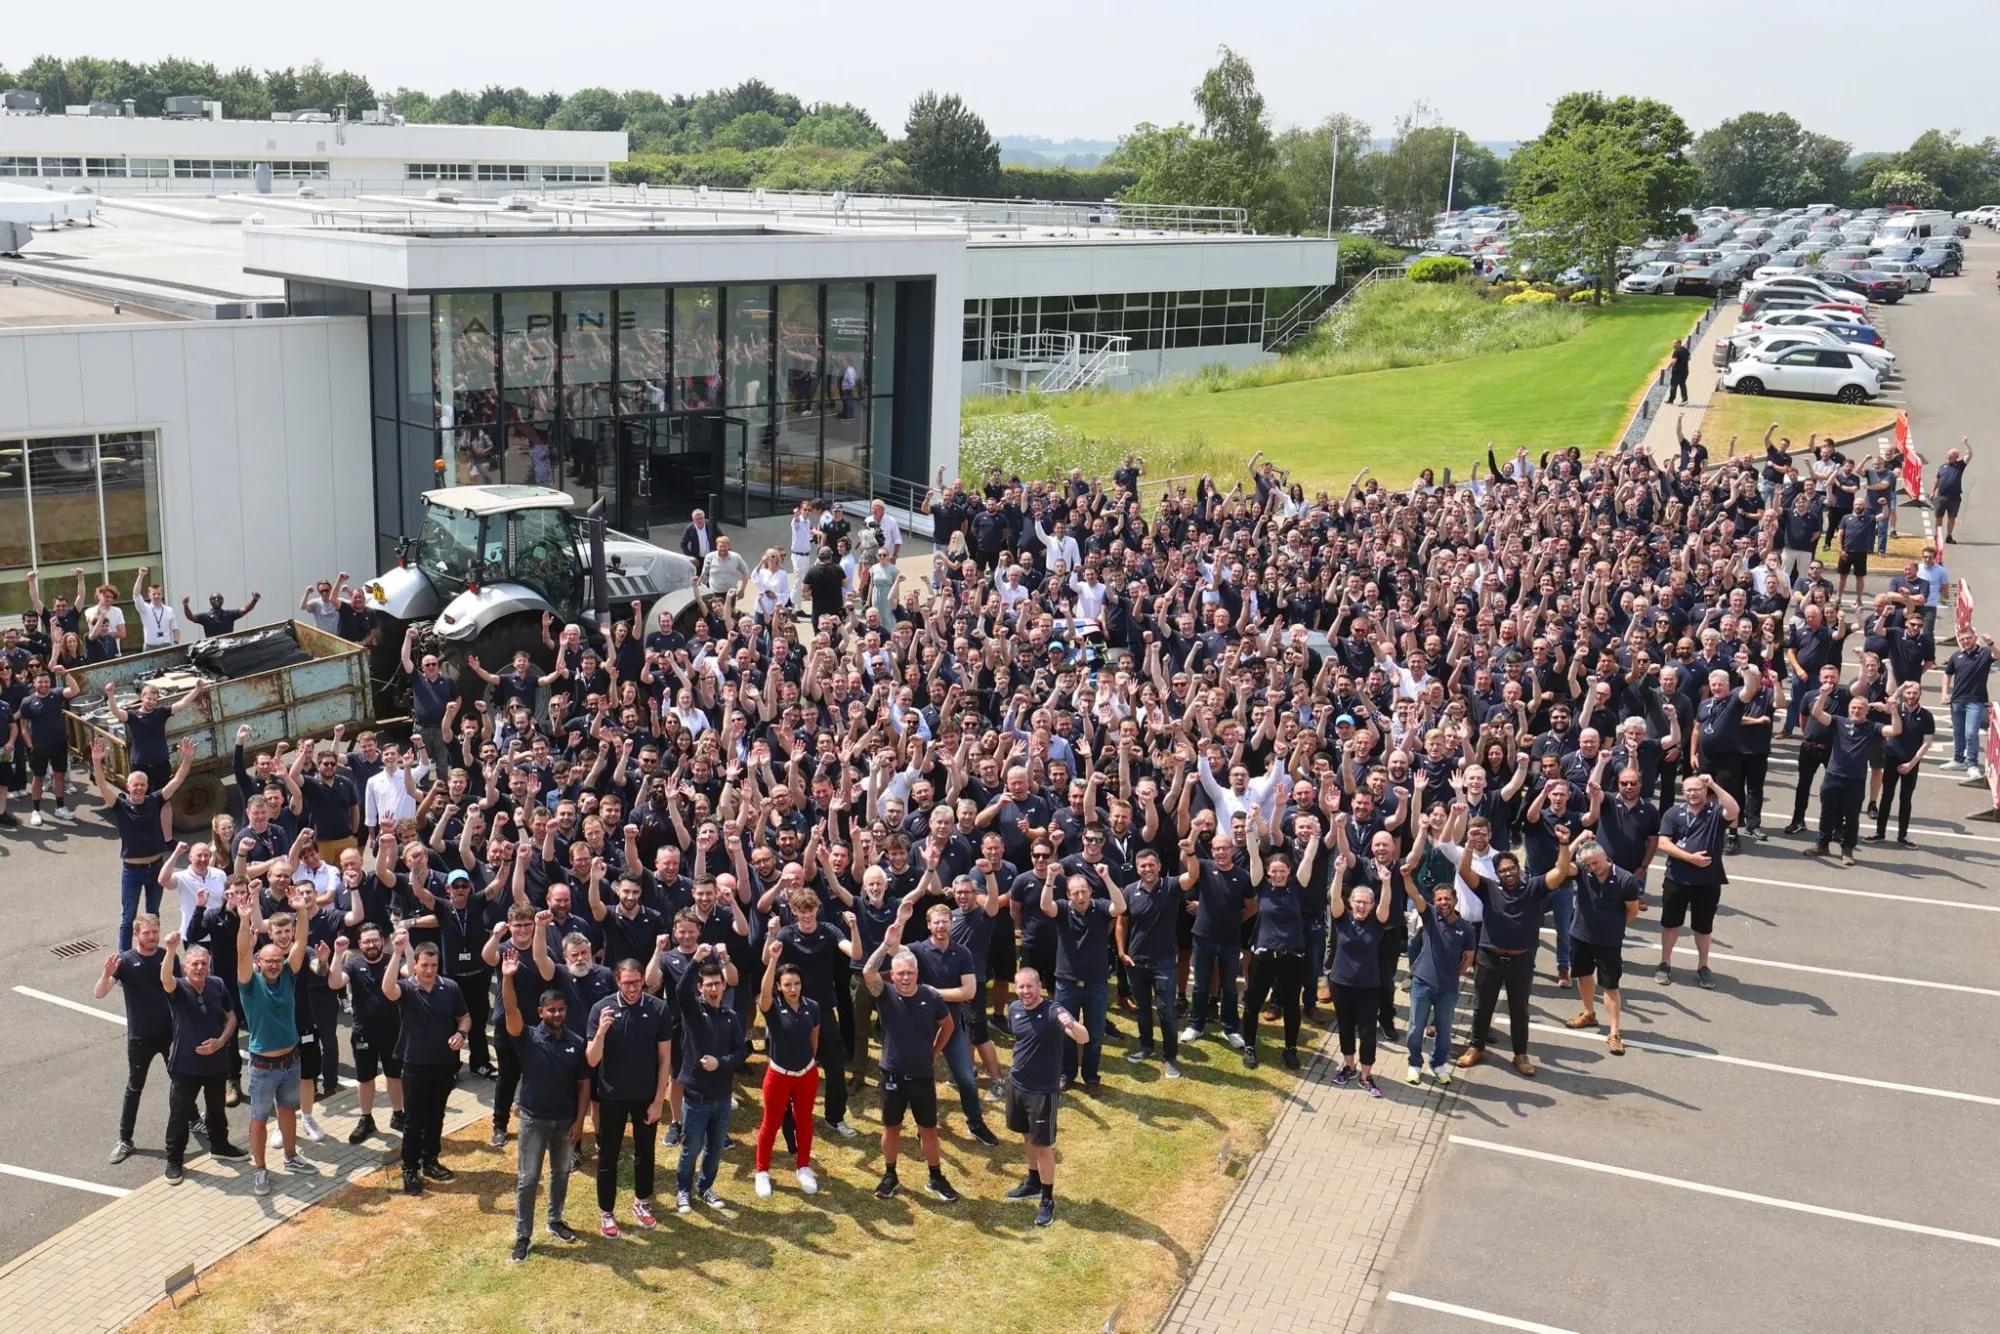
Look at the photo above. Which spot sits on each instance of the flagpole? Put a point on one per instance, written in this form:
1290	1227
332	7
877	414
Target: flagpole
1332	178
1451	181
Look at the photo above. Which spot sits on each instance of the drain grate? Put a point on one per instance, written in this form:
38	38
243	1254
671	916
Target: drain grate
75	948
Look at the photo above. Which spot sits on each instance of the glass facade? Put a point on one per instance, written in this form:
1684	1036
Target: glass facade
1217	317
658	400
78	501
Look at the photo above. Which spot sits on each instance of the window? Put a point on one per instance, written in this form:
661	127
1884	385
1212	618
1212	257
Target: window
220	169
437	171
62	166
298	171
96	505
19	166
104	166
148	166
500	171
570	174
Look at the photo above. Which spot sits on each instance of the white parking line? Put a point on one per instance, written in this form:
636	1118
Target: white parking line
51	1179
1641	1044
1703	1188
78	1006
1735	879
1473	1313
1720	955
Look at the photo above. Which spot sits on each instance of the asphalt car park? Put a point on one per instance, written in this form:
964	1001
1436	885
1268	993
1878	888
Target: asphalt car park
1805	1145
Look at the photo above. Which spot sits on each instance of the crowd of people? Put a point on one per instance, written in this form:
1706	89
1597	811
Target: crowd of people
1195	761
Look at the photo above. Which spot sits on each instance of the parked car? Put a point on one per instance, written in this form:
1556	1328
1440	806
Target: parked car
1882	287
1780	266
1812	372
1770	342
1937	258
1816	285
1914	276
1660	278
1866	335
1707	280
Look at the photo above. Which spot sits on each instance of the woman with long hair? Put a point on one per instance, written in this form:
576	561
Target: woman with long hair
791	1076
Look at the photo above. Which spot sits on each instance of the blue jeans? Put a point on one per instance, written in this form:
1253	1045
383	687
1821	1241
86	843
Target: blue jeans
132	881
958	1059
1153	992
1795	702
1883	523
1967	717
1563	903
1086	1003
704	1129
1208	954
1430	1006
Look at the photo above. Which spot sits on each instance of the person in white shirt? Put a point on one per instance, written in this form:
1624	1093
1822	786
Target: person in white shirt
1012	592
772	582
724	573
1090	594
322	603
805	544
392	793
1242	795
892	532
1061	546
159	626
188	885
104	624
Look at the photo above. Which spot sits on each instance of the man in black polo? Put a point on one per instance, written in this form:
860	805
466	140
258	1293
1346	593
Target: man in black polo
1814	739
1607	899
435	1021
1854	741
40	714
555	1097
218	619
378	1024
916	1024
631	1049
1039	1027
1693	835
202	1059
1718	735
1510	933
149	1024
140	814
1628	825
327	800
431	695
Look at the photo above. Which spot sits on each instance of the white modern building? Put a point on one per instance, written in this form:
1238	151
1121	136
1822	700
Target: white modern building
250	389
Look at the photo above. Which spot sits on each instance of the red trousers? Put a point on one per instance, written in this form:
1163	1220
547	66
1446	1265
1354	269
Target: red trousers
782	1093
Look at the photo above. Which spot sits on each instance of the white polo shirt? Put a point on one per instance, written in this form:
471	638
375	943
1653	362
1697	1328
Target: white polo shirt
187	884
157	625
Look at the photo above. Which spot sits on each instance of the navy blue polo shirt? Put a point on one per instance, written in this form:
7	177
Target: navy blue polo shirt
146	1013
909	1028
1152	919
1082	943
1219	899
1600	907
429	1019
1692	832
1513	919
1038	1046
630	1069
198	1017
1623	830
1445	943
1357	956
552	1065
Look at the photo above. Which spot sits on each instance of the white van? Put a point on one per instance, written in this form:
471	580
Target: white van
1917	225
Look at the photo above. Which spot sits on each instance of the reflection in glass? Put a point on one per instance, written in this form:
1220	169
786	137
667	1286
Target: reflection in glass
697	364
468	407
63	479
799	346
528	379
642	352
413	349
749	332
131	493
587	338
14	547
847	380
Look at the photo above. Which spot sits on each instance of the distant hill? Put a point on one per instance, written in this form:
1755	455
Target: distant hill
1032	150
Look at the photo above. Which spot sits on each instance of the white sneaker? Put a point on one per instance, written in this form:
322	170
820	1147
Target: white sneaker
1170	1070
311	1127
1948	766
808	1182
844	1130
763	1185
997	1091
1190	1034
34	819
273	1136
1235	1041
1415	1075
65	814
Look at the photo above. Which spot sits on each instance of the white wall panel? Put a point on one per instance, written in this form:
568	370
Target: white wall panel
273	506
110	388
55	382
308	450
210	439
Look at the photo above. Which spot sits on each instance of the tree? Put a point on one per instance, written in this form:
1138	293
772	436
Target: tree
1760	158
1964	174
836	125
1653	133
1304	162
1230	161
1904	187
1582	195
589	109
1412	177
947	147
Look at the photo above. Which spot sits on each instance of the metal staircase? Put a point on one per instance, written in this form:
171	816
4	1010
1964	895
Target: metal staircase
1283	331
1055	363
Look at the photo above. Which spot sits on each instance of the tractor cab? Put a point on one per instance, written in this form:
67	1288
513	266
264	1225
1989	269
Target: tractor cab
473	537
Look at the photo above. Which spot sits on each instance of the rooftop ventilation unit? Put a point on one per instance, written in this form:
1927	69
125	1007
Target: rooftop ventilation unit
184	108
20	100
444	194
106	109
314	115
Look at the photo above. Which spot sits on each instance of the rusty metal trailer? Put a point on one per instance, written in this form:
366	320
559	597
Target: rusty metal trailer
283	704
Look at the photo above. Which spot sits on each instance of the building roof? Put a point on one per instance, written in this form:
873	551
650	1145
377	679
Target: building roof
484	500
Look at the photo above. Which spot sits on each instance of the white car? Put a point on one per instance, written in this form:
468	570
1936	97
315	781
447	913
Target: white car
1782	267
1660	277
1811	372
1768	343
1915	277
1807	285
1799	319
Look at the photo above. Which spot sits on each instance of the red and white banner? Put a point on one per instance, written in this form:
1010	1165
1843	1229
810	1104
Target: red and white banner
1964	606
1993	761
1913	463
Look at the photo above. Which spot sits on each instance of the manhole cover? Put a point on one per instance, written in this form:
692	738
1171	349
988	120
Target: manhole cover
74	948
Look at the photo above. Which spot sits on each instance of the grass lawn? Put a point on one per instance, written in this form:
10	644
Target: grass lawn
1748	416
1579	392
1145	1168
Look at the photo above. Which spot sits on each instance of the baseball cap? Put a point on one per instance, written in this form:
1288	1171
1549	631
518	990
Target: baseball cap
457	876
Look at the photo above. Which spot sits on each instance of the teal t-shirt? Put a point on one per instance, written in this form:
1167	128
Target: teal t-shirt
274	1025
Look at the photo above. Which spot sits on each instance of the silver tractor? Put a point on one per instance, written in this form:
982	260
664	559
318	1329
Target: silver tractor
492	560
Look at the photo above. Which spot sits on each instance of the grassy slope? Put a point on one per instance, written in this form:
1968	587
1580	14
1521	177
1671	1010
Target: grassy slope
1140	1182
1748	416
1577	392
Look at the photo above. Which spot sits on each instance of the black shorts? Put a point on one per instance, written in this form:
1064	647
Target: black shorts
1585	959
374	1053
309	1061
1002	952
1945	507
977	1029
1032	1114
1679	902
1042	958
1853	562
915	1094
46	760
6	768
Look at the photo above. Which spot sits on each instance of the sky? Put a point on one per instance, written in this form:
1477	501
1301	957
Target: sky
1094	68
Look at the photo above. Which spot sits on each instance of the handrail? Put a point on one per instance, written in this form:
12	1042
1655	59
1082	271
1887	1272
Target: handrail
1279	338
